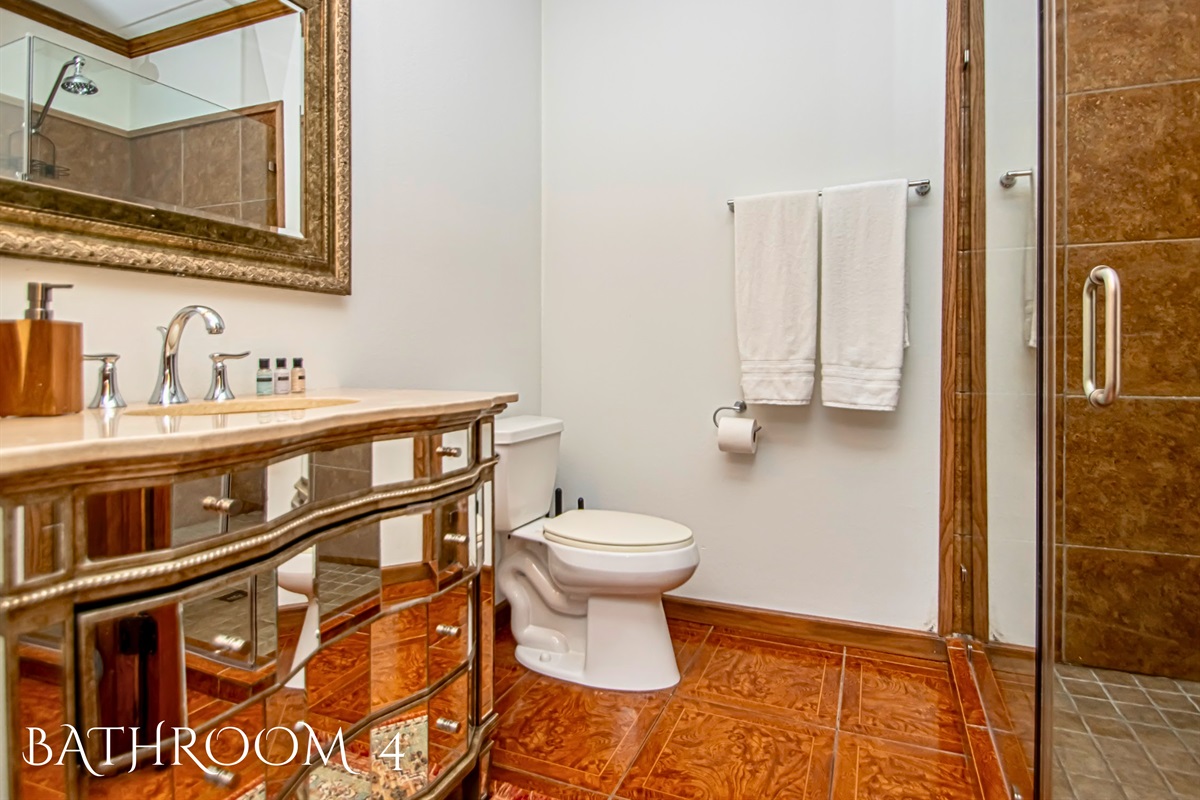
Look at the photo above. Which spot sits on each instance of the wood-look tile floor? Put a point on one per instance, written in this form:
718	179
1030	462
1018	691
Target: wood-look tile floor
754	717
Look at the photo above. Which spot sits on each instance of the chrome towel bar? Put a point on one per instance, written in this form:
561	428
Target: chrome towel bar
922	186
1009	179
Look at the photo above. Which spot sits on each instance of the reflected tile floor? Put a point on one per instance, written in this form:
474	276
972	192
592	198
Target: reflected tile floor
1120	736
754	716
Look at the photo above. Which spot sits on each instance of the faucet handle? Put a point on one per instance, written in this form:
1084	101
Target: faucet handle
107	393
219	389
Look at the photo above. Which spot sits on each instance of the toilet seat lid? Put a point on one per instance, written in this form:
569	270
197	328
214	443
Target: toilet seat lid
616	530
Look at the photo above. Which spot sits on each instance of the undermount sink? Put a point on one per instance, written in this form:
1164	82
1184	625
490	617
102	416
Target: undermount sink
255	405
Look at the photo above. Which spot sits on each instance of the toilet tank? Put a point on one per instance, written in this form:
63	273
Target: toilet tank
528	450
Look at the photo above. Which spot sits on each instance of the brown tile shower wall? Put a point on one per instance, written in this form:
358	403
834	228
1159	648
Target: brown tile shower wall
217	166
1128	536
98	159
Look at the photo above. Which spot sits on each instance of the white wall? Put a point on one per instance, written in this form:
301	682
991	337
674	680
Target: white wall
447	195
654	114
432	268
1011	107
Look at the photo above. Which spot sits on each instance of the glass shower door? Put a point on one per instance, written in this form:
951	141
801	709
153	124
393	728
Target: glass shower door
1124	620
1005	662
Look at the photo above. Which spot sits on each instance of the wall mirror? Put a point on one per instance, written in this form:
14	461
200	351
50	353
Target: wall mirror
207	138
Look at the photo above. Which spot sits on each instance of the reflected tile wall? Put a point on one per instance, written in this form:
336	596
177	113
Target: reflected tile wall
224	167
98	159
1128	539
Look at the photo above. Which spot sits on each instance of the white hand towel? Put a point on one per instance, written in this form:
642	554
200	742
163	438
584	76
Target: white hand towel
864	327
775	265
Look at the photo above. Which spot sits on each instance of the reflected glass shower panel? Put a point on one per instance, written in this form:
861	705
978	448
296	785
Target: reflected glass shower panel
81	123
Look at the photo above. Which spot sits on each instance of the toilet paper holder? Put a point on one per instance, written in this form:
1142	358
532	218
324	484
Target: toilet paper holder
737	408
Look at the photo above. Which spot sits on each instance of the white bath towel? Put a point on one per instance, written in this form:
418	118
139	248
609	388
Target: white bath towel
775	266
864	327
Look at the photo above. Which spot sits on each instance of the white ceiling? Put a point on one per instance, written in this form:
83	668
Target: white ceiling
130	18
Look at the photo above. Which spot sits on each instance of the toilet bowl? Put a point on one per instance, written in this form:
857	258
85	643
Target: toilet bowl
585	587
296	585
296	576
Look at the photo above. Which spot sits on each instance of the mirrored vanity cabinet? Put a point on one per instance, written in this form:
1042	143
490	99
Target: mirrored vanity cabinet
280	605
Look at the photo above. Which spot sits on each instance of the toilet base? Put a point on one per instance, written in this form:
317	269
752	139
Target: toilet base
628	648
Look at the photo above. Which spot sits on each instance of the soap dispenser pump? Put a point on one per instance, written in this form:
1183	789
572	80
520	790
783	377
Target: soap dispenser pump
41	359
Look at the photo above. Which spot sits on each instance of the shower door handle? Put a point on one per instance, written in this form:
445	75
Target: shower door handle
1107	277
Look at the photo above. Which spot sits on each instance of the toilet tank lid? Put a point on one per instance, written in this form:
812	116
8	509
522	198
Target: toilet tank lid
510	430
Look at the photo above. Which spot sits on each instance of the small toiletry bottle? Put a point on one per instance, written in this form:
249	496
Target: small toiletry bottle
41	360
297	376
264	379
283	378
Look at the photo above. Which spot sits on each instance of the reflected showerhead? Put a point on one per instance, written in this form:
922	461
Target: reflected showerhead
75	84
78	83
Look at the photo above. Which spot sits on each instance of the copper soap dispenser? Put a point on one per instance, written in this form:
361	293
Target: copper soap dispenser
41	360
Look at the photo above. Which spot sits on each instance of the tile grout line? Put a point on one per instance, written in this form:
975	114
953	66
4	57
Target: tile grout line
1112	779
1121	717
1144	397
837	726
1127	242
1112	776
650	730
1136	737
546	779
1067	777
1131	87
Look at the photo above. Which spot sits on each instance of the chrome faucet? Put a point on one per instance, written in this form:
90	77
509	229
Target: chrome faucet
169	391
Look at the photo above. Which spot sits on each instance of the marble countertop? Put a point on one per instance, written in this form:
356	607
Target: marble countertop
40	443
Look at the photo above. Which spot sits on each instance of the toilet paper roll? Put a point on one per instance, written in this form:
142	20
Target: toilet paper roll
737	434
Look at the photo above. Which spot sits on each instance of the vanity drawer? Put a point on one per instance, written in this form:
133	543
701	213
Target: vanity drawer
399	656
202	508
202	649
411	751
449	631
195	508
190	509
455	541
452	451
449	724
460	528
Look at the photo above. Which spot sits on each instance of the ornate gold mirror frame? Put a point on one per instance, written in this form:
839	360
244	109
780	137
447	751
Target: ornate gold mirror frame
42	222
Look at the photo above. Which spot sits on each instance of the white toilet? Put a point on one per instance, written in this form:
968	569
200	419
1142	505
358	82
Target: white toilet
585	587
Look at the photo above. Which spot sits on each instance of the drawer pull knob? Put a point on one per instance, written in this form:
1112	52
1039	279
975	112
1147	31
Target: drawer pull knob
447	630
449	452
218	776
228	643
447	725
455	538
222	505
